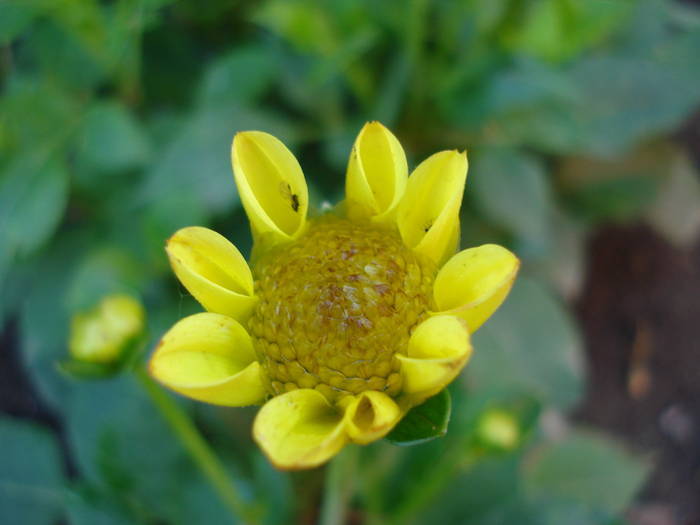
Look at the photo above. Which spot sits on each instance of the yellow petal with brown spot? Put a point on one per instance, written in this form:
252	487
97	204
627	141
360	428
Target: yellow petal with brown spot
271	186
429	210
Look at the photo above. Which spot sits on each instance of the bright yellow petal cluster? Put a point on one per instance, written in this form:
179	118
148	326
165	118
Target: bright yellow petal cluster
213	356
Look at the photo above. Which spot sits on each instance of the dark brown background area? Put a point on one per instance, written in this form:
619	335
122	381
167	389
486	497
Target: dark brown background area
640	312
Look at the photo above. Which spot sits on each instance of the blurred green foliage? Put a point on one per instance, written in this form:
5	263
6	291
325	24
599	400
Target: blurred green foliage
115	124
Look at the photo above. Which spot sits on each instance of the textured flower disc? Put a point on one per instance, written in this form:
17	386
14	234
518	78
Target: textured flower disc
335	307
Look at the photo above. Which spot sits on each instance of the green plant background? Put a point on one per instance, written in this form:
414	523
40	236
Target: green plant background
115	125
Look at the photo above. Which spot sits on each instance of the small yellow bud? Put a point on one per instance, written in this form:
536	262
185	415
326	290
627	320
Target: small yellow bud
498	429
103	333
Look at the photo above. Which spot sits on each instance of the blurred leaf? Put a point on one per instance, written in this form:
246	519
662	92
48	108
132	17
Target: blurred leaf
31	477
617	189
603	103
111	140
497	482
527	102
624	100
511	189
561	29
276	489
305	25
424	422
553	511
531	343
238	77
15	17
44	317
86	25
200	504
34	115
586	469
104	270
89	511
617	199
392	91
33	195
120	442
526	86
61	57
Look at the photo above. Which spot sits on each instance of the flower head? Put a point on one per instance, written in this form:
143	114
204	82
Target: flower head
346	320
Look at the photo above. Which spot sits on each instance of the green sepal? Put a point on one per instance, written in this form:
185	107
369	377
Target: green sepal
424	422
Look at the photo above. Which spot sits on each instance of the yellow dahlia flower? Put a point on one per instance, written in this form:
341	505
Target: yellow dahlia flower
346	320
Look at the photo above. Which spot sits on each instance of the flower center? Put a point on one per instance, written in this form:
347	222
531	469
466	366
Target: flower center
336	306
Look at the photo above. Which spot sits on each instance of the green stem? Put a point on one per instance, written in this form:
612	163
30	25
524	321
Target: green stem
338	487
199	449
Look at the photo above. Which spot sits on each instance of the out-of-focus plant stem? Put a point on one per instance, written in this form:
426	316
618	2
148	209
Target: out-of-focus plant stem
338	488
199	450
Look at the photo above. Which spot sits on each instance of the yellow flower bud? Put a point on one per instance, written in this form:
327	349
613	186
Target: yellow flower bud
499	430
103	333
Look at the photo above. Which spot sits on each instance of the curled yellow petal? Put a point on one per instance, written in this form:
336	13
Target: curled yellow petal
437	351
209	357
376	175
271	186
475	282
299	429
370	416
212	270
429	209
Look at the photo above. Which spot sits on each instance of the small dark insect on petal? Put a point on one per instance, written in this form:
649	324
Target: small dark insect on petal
286	191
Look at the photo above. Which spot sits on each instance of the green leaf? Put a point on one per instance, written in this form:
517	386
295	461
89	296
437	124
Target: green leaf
31	477
586	469
62	57
624	100
44	318
308	27
497	479
87	511
620	199
104	270
33	195
15	17
511	189
238	77
122	444
111	140
616	189
424	422
34	114
532	344
558	30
